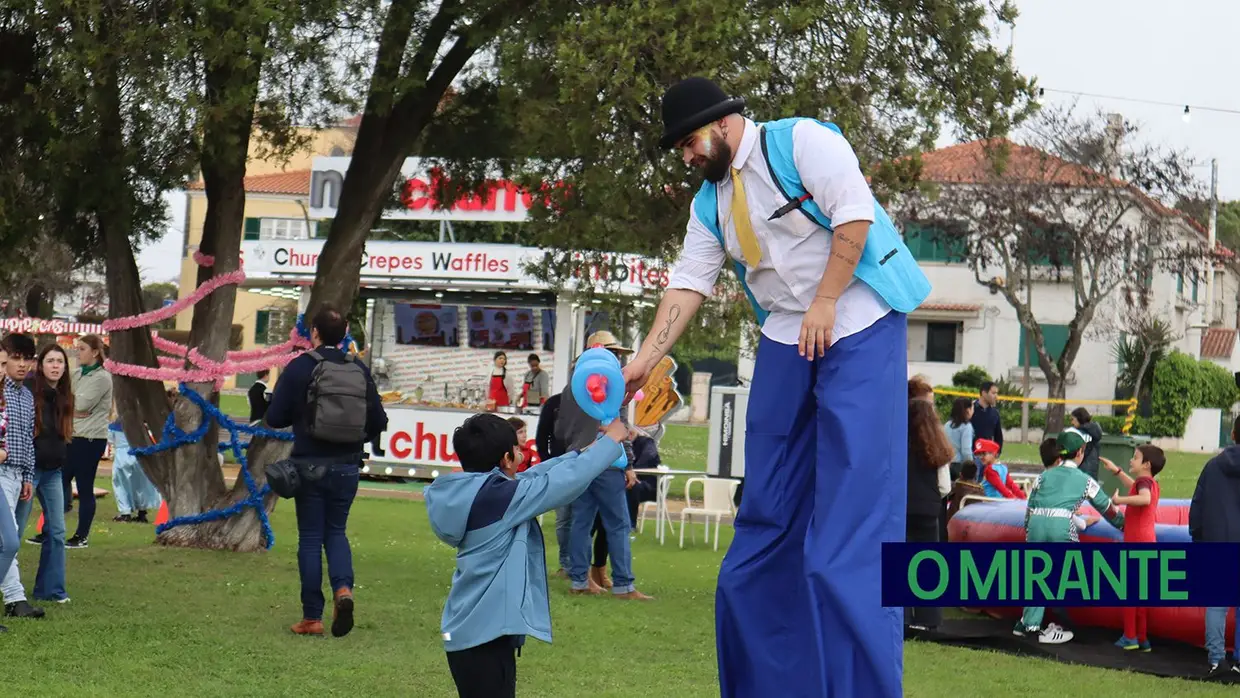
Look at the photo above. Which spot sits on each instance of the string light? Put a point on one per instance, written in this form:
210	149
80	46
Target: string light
1188	108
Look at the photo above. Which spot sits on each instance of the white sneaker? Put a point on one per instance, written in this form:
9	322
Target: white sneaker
1054	635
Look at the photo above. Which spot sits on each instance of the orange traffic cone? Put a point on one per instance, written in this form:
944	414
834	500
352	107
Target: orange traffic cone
162	516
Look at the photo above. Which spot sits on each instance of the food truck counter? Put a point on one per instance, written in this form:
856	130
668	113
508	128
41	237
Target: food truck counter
418	440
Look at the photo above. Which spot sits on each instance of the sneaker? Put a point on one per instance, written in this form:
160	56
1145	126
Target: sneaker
1217	670
142	517
22	609
1020	630
64	600
342	619
1127	643
37	540
122	518
1145	646
1054	636
77	543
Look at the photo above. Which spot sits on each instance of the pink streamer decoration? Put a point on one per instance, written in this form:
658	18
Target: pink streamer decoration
154	316
172	368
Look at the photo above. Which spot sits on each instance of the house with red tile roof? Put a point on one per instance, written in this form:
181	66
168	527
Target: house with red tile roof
966	322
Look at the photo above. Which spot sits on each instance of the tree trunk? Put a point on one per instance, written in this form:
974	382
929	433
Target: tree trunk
189	477
1056	389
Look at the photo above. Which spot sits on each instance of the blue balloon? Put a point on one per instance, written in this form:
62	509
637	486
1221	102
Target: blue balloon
602	363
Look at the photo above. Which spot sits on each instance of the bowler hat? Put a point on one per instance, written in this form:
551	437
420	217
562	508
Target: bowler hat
691	104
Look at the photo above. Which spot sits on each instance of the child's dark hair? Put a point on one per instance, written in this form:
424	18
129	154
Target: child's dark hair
1154	456
517	423
482	442
968	471
1049	450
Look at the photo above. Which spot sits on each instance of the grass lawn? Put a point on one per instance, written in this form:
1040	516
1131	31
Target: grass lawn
150	621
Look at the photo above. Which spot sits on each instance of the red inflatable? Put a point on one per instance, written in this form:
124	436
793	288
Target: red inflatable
1004	522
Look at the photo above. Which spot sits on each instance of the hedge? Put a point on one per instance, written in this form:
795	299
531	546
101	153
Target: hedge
1181	384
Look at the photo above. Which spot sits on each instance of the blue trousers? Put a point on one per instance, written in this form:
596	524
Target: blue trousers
799	609
9	540
49	581
322	514
1216	632
604	498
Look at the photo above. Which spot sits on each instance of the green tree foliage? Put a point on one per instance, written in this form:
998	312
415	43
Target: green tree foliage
1182	384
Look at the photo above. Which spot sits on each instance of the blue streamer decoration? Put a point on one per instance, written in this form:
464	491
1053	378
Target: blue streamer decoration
175	437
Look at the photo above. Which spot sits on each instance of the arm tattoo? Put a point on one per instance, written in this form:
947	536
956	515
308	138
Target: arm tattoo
673	314
851	243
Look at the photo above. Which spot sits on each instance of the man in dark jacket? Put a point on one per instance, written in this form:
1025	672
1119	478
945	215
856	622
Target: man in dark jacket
987	424
1214	517
323	505
549	447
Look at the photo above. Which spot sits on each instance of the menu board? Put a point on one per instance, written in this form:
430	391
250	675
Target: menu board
427	325
501	328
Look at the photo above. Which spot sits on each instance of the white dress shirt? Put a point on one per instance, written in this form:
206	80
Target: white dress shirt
795	250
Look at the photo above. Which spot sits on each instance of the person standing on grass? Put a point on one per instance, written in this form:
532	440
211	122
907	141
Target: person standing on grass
602	510
489	513
929	453
92	403
1082	420
330	400
799	608
1141	512
18	469
53	428
1214	517
135	494
551	447
987	422
10	540
259	396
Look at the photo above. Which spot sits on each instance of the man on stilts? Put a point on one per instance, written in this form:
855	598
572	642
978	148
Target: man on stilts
798	608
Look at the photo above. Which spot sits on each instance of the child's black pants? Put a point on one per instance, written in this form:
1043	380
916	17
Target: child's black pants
486	671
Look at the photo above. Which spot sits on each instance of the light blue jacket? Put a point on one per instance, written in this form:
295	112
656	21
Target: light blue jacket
961	438
886	264
500	584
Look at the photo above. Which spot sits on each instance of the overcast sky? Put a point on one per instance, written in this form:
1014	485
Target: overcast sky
1136	49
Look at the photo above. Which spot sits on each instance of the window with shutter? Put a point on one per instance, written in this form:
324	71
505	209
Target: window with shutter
262	320
1055	337
253	228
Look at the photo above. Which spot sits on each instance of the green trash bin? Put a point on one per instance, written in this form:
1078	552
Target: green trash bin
1116	448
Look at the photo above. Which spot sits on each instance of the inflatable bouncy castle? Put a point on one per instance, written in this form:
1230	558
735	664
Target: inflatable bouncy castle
1004	522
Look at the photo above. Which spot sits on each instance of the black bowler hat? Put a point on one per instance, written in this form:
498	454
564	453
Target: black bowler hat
691	104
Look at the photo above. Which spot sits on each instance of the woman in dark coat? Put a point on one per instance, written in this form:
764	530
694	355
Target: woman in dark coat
928	450
1087	426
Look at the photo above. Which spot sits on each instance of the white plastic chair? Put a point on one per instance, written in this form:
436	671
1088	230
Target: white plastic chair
717	501
663	487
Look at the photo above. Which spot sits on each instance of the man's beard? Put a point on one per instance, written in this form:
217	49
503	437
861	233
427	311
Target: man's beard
718	160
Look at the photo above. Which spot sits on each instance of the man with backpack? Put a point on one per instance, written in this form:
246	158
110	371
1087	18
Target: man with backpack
330	401
799	602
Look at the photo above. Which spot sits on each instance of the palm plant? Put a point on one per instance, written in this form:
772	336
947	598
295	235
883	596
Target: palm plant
1138	352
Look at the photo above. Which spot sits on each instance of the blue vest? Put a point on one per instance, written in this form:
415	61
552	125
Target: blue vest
886	264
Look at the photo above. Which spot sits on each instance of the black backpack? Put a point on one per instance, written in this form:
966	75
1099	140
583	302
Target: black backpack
336	401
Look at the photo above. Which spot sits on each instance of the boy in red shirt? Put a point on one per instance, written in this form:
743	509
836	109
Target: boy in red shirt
1141	512
530	455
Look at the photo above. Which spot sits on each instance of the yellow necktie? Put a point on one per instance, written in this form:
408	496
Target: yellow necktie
740	218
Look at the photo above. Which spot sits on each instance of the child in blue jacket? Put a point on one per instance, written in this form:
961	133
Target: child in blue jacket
489	514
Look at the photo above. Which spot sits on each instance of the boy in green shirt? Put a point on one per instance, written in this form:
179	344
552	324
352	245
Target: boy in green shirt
1051	518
